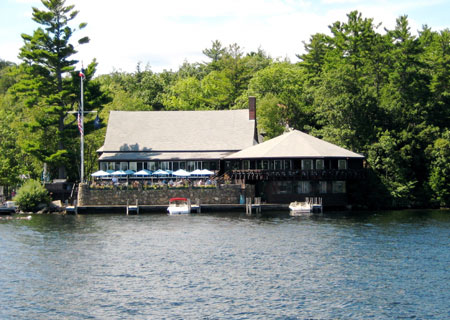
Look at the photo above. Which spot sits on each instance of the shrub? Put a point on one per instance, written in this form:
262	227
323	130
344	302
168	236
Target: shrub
31	195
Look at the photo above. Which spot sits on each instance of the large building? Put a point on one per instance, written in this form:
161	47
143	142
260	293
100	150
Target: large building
287	168
172	140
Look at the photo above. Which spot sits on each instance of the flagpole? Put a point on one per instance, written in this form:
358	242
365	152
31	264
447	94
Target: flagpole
82	132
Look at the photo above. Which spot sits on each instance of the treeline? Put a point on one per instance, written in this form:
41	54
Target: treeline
383	93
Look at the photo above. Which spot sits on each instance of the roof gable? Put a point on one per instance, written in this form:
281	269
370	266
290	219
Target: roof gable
228	130
294	144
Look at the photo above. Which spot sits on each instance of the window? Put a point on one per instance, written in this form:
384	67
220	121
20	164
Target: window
322	187
307	164
140	166
213	165
303	187
282	187
246	164
265	164
183	165
165	165
151	165
320	164
339	187
190	166
133	166
287	164
277	165
124	166
104	166
342	164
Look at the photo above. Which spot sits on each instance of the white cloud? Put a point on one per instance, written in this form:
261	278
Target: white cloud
165	33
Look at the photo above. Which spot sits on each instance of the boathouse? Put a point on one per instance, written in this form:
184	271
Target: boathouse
290	167
295	166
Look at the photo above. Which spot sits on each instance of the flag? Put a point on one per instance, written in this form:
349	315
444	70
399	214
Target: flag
97	122
80	124
82	76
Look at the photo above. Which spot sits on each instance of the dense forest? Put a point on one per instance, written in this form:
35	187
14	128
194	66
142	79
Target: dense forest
383	93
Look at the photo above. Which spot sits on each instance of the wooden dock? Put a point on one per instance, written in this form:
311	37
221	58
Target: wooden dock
132	209
162	209
7	210
250	206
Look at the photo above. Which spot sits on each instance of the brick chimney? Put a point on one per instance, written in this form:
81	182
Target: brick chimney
251	108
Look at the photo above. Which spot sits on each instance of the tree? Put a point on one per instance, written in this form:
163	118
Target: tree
7	78
271	116
345	94
48	87
216	53
184	94
316	49
216	90
404	97
285	82
31	195
437	57
440	170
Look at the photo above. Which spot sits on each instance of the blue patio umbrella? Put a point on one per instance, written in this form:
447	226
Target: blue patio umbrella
119	173
160	172
196	172
129	172
181	173
142	173
100	173
206	172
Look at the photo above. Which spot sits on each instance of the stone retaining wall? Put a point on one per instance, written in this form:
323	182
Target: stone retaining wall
222	194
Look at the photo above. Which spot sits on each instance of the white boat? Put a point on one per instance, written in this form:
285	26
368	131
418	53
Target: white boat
179	206
305	208
9	207
300	208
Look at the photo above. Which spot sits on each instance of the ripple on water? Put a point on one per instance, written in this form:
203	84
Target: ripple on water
391	265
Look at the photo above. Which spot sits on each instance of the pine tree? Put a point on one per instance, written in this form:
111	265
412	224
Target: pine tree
48	87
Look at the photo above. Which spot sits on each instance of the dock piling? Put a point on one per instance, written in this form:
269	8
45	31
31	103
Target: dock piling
249	206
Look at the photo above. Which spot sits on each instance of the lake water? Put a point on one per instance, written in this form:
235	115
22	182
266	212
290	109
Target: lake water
387	265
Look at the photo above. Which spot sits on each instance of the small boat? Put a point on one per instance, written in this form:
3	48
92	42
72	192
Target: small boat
9	208
305	208
179	206
300	209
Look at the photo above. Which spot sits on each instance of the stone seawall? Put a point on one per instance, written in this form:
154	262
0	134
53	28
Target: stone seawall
222	194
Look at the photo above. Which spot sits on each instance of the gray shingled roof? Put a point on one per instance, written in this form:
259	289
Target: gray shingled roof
149	156
294	144
224	130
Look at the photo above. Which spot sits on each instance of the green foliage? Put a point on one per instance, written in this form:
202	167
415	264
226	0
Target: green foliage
284	81
440	170
383	94
271	116
49	87
31	195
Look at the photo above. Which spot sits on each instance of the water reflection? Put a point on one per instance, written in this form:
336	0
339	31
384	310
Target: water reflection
222	266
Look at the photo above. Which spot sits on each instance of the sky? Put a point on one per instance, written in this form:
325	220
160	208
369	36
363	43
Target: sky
162	34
